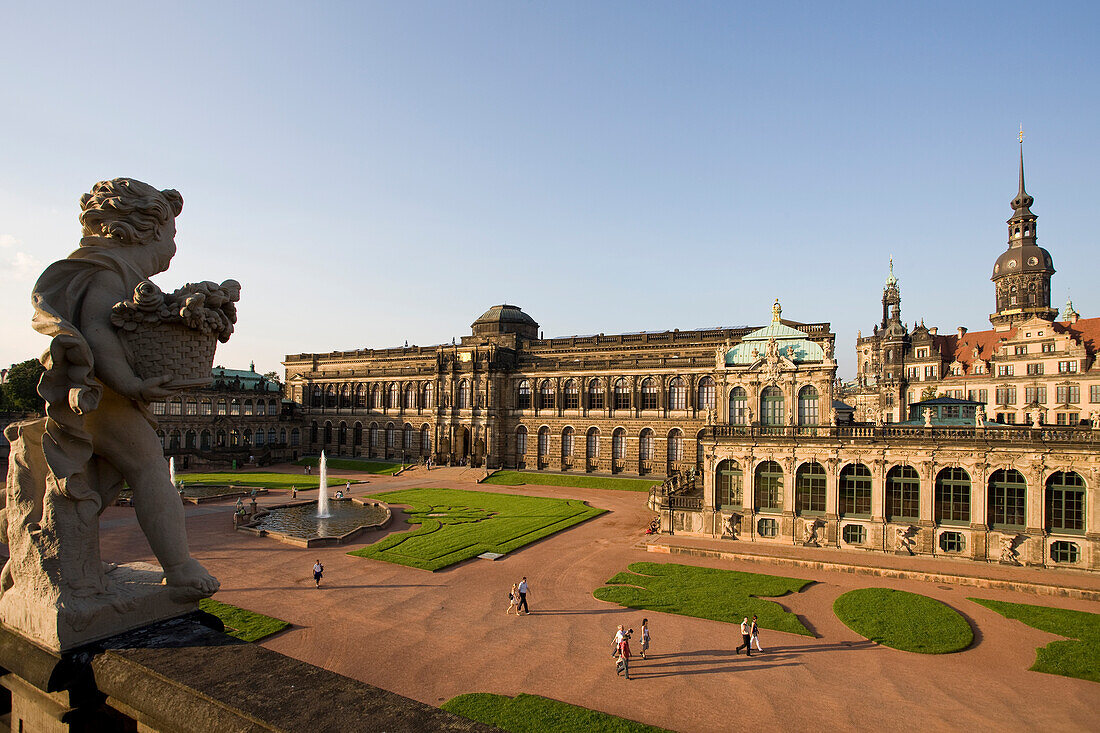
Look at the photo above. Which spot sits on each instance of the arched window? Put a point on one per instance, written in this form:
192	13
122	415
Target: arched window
410	397
622	394
728	484
544	441
855	491
174	440
464	394
1007	499
739	407
282	436
592	444
677	394
261	407
523	395
425	440
219	439
313	432
357	434
645	445
392	396
567	443
809	488
234	406
258	439
675	445
571	396
295	437
328	433
1065	502
222	407
391	442
234	438
376	396
807	406
649	393
330	396
769	487
345	396
372	436
192	407
317	397
952	499
903	494
426	395
618	444
706	399
409	442
595	395
248	408
175	407
206	408
342	434
360	396
190	439
521	442
700	449
206	440
771	406
546	395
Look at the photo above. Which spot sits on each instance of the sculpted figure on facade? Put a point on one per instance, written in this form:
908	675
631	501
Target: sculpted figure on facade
719	358
1009	555
979	416
810	529
118	343
903	540
731	526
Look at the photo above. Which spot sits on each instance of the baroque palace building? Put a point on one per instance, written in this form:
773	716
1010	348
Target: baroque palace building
632	403
241	416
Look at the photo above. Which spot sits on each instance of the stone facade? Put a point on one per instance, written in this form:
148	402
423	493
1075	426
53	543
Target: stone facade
240	416
630	404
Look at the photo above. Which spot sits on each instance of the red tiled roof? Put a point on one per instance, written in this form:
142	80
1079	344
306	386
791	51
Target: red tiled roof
1085	330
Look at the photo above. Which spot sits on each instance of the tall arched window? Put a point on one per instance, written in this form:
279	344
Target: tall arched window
952	498
546	395
595	395
675	445
567	443
313	432
174	440
425	440
677	394
258	438
523	395
261	407
618	444
771	406
807	406
1065	502
769	486
206	440
317	397
739	407
1007	499
330	396
464	394
222	407
409	442
855	491
903	494
234	406
249	408
342	434
645	445
521	442
372	436
295	437
328	433
622	394
649	393
391	442
426	395
190	439
571	395
282	436
592	444
392	395
700	449
728	484
809	488
360	396
272	407
376	396
345	396
357	434
410	396
544	441
706	399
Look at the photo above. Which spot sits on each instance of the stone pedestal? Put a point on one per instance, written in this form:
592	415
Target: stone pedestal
134	597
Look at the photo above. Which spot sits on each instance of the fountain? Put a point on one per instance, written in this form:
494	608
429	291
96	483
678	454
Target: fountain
172	471
322	490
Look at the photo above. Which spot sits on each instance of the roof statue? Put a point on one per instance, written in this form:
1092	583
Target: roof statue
118	343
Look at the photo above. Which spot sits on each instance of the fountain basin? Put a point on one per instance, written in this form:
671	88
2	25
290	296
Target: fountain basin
297	523
202	493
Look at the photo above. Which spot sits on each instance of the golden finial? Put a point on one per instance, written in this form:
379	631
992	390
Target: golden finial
1021	134
777	310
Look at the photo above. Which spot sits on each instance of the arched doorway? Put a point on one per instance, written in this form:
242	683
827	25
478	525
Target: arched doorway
462	445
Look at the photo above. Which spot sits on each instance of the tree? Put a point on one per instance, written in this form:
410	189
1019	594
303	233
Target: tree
928	393
272	377
20	389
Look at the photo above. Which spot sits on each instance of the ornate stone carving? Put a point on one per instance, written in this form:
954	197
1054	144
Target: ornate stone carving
731	527
98	431
1009	555
810	531
903	539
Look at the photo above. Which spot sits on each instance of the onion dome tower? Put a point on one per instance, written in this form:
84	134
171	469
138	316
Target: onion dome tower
1021	275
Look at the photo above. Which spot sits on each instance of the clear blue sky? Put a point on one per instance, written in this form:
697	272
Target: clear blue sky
376	172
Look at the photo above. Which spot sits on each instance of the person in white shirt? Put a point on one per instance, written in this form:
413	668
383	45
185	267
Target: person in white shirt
746	638
523	591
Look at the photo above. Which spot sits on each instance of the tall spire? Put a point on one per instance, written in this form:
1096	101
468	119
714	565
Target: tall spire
1022	203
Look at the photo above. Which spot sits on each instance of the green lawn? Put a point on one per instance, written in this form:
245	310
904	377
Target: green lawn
1077	656
580	481
354	464
244	625
719	595
533	714
257	478
906	621
456	525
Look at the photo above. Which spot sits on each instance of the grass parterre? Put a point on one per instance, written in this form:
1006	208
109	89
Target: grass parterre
533	714
1076	656
518	478
902	620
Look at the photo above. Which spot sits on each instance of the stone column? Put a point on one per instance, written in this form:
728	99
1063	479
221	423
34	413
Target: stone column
832	491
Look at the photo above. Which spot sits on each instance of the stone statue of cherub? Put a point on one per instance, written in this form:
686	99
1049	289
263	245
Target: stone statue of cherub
98	431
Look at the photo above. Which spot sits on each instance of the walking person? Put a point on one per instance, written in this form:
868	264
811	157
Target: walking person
746	638
318	571
615	644
754	632
645	637
513	600
624	654
523	591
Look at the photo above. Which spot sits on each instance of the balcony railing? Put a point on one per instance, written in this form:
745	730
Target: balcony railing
895	433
